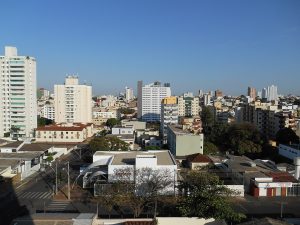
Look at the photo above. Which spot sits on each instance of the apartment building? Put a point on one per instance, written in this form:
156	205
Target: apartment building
183	142
149	100
267	117
129	94
188	106
48	111
73	102
169	114
18	106
252	93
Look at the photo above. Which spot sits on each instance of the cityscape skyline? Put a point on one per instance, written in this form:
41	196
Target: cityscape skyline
217	45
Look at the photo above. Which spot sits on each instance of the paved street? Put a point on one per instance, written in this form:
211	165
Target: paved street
263	206
34	195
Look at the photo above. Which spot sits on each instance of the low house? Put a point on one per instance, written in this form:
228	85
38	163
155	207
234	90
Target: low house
24	164
197	160
22	159
128	138
260	177
65	133
151	141
137	125
122	130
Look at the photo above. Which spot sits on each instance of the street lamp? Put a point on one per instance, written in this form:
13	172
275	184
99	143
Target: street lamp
69	190
69	187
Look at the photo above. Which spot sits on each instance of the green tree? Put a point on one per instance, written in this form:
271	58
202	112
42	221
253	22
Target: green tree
207	118
287	136
209	148
243	138
206	197
126	111
112	122
41	121
108	143
218	133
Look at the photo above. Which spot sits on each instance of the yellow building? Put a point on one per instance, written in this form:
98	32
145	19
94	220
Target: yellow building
169	100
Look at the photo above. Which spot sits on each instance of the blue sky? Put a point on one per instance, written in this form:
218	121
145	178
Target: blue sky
208	45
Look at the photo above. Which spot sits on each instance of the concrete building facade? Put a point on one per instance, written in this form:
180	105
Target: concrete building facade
188	106
169	114
64	133
182	143
149	100
18	93
73	102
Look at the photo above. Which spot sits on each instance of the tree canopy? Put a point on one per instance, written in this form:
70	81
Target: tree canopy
243	138
41	121
108	143
112	122
207	118
206	197
209	148
287	136
126	110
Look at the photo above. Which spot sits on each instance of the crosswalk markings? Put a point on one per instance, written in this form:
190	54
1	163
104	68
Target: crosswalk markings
57	205
34	195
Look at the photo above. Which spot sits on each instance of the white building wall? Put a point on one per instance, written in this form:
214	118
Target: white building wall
73	102
151	101
17	93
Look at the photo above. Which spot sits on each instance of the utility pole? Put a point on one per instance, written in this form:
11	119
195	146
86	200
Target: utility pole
69	190
56	188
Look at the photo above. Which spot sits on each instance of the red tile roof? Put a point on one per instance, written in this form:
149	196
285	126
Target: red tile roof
282	177
198	158
64	127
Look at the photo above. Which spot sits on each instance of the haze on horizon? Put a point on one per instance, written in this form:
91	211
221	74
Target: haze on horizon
208	45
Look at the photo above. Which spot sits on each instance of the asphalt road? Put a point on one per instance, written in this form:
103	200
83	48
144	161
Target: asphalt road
271	206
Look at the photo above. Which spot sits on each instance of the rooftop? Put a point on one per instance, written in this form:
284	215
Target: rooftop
198	158
64	127
128	158
282	177
12	144
246	165
20	156
4	163
44	146
121	136
177	129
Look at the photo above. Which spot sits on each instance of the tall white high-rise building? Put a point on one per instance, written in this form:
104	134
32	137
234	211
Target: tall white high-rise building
270	93
18	106
73	102
129	94
149	100
207	99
